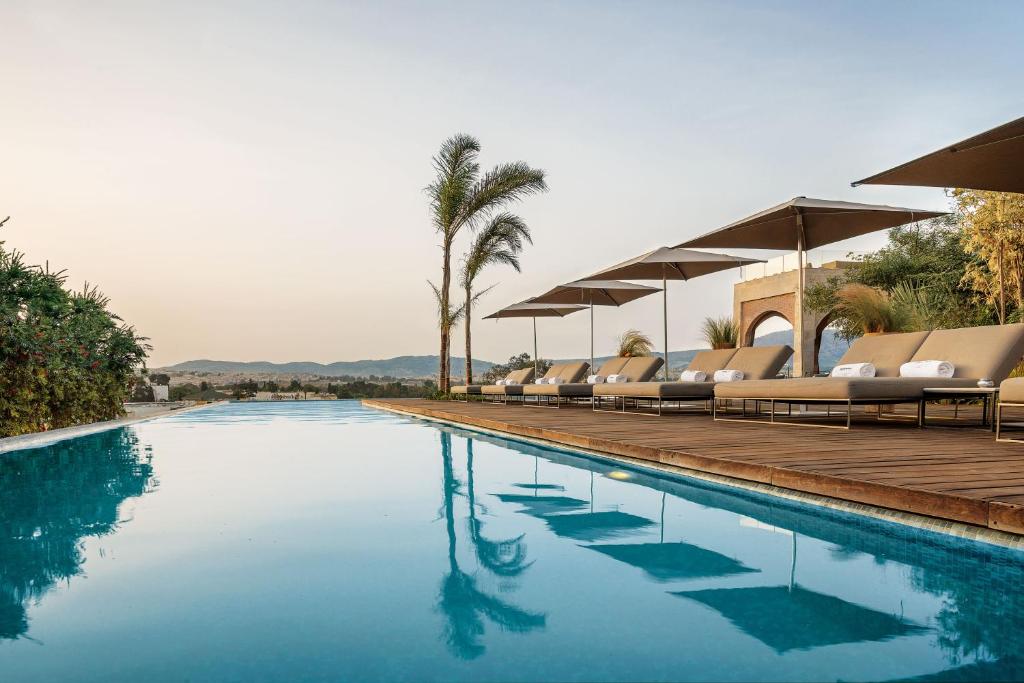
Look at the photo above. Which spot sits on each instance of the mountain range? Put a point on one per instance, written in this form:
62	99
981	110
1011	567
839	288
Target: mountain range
832	347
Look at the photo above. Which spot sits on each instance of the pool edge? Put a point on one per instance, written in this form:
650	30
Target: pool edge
948	527
21	442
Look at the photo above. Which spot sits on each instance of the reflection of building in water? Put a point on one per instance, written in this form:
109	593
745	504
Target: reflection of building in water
53	498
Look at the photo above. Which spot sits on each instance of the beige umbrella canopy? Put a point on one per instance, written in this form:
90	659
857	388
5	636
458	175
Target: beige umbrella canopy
668	263
532	310
803	223
594	293
993	160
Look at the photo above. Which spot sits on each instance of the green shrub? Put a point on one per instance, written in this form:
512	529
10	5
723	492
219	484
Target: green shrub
64	358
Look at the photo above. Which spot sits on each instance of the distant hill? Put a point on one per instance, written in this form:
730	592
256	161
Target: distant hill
401	366
832	347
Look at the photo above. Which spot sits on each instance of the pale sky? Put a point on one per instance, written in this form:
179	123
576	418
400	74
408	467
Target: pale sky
244	179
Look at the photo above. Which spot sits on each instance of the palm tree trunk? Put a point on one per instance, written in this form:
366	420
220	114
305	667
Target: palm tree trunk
446	280
469	338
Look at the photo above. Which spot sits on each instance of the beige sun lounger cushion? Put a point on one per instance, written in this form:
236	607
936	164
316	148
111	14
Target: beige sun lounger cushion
521	377
990	352
574	375
754	361
887	352
1012	390
478	388
710	361
976	352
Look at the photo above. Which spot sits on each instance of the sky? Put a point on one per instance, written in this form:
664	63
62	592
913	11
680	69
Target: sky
245	180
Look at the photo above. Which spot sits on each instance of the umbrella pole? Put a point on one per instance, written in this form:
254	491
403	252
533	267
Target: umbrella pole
592	371
798	314
664	314
535	346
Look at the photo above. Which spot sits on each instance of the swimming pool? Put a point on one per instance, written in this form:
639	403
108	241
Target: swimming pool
327	541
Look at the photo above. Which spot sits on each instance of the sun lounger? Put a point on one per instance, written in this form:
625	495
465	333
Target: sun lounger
635	369
989	352
755	362
1011	394
502	392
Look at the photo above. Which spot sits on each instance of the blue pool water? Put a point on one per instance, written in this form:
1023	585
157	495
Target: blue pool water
325	541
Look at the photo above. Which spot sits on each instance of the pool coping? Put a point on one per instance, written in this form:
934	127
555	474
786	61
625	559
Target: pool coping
960	530
10	444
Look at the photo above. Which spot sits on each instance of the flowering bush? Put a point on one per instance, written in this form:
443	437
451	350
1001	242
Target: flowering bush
64	358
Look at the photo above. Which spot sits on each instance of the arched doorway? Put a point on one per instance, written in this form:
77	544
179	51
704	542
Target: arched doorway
768	323
828	345
768	329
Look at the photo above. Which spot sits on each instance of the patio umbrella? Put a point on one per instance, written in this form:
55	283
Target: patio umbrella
993	160
594	293
667	263
532	310
803	223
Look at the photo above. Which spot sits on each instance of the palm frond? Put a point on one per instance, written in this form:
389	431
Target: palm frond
500	241
456	168
501	185
449	318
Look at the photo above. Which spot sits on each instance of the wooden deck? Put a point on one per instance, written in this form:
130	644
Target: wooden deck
958	474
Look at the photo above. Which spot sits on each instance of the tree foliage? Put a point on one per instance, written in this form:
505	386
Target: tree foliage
65	359
993	234
517	362
922	270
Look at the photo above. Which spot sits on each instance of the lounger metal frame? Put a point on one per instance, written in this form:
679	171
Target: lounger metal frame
827	402
999	421
651	400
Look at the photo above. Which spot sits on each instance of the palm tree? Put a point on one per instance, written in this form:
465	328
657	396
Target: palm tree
500	241
461	196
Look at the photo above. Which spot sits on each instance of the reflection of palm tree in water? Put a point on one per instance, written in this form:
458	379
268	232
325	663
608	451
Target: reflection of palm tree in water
52	499
464	605
505	557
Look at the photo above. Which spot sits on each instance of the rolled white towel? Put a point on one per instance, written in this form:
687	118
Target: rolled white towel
616	379
854	370
541	380
595	379
728	375
556	380
693	376
500	383
512	383
927	368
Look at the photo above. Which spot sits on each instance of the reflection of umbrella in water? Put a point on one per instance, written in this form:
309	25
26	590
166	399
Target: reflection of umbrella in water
541	506
673	561
583	526
595	526
795	618
536	485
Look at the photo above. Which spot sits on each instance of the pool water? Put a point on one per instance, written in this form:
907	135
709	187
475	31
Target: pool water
327	541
